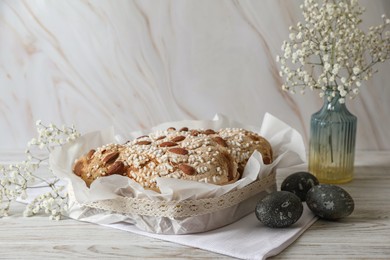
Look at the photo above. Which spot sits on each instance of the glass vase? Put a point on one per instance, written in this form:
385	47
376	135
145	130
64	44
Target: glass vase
332	142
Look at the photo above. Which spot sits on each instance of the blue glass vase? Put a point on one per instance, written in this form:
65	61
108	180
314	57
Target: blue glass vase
332	142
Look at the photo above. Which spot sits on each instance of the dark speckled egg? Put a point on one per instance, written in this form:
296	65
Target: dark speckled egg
299	183
279	209
330	201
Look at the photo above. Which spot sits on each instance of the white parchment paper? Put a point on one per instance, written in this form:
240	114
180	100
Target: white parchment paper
288	149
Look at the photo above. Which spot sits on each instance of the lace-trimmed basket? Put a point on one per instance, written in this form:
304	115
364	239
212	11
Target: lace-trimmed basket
187	216
159	215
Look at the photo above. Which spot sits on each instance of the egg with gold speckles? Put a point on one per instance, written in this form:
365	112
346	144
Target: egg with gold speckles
299	183
330	202
279	209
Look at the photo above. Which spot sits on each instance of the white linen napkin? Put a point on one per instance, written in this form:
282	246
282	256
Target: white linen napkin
247	238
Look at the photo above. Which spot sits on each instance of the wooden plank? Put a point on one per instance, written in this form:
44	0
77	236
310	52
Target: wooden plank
363	235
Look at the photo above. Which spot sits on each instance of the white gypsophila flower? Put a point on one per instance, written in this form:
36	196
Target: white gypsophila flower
331	48
356	70
16	178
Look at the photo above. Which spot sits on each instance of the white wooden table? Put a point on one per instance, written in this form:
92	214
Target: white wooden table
363	235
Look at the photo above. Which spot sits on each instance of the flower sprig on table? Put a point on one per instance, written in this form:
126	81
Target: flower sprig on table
16	179
330	52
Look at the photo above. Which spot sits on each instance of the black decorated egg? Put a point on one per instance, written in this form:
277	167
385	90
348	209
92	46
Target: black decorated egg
299	183
279	209
330	202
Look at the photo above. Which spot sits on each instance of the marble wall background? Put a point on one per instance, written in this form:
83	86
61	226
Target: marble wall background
134	64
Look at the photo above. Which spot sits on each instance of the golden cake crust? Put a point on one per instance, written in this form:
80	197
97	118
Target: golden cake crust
242	143
199	155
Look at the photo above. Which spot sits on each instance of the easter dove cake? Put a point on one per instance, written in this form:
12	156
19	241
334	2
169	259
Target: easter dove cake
216	157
